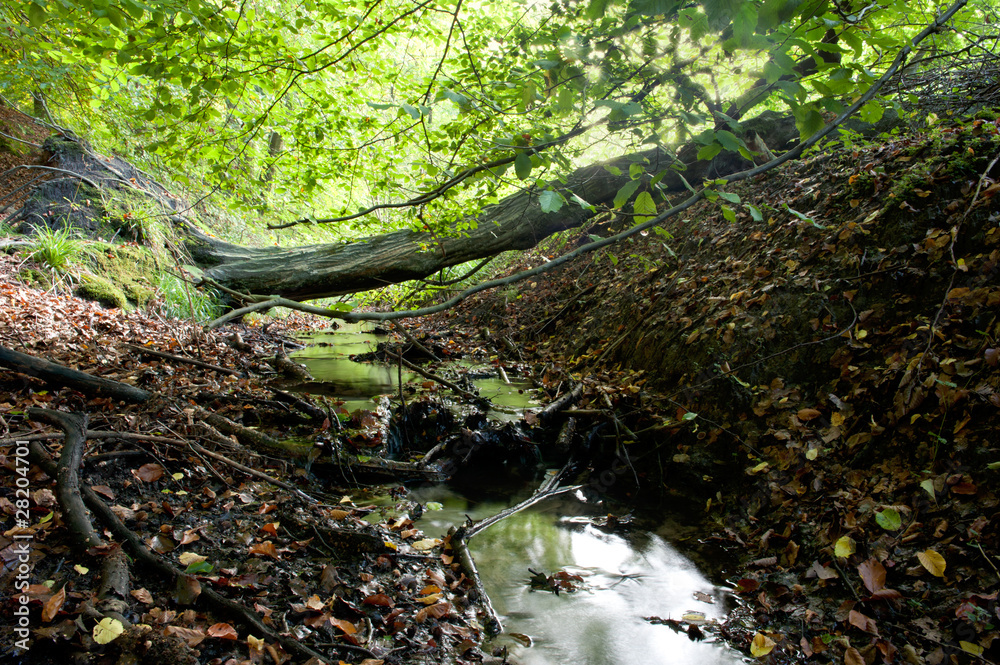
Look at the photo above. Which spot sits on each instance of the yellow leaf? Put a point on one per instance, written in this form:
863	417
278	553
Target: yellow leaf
190	557
812	453
107	630
969	647
844	547
426	544
255	643
933	562
761	645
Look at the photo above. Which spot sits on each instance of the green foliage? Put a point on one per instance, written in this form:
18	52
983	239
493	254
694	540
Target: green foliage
183	301
58	249
379	103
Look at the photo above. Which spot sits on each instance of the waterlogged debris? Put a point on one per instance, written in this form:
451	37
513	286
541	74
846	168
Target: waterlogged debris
761	645
560	581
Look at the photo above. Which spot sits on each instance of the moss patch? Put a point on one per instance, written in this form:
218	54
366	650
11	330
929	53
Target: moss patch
94	287
131	273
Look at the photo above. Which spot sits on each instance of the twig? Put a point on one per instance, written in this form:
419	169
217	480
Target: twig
182	359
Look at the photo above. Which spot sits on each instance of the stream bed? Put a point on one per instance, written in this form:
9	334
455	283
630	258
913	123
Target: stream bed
621	576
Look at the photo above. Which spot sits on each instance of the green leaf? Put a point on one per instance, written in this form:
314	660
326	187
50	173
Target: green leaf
522	165
755	213
625	193
729	140
613	170
117	18
730	196
690	415
889	519
872	112
597	8
635	171
709	151
36	14
728	213
644	205
199	567
550	200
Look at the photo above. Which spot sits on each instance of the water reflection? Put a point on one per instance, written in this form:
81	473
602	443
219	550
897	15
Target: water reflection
628	576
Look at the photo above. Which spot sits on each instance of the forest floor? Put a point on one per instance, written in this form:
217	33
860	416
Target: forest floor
820	378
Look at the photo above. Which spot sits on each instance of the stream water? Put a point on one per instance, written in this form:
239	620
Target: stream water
627	575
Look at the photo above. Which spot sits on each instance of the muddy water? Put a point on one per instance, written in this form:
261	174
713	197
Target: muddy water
627	575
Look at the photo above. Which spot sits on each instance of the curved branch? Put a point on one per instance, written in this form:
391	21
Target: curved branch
74	425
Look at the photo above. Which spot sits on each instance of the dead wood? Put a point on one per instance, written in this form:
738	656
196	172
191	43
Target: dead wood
64	376
457	537
181	359
74	425
560	404
287	367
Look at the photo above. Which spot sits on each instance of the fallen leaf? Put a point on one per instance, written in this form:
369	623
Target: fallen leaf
142	595
806	415
107	629
434	611
265	548
346	626
190	557
853	657
223	631
933	562
761	645
873	575
889	519
865	623
149	472
190	635
53	605
844	547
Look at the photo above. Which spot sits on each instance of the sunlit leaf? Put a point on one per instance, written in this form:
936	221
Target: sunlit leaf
844	547
933	562
107	629
761	645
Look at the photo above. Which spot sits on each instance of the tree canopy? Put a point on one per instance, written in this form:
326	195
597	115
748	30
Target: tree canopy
398	112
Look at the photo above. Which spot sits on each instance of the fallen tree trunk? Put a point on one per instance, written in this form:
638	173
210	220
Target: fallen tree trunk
64	376
517	222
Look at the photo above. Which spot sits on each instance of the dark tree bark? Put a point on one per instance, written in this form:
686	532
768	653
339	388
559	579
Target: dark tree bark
517	222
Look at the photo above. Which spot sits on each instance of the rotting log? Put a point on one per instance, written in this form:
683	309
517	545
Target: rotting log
64	376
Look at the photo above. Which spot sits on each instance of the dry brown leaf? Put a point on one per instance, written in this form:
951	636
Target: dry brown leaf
190	635
873	575
223	631
149	472
53	605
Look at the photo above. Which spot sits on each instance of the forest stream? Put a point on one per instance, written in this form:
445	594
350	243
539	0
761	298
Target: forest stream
623	587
